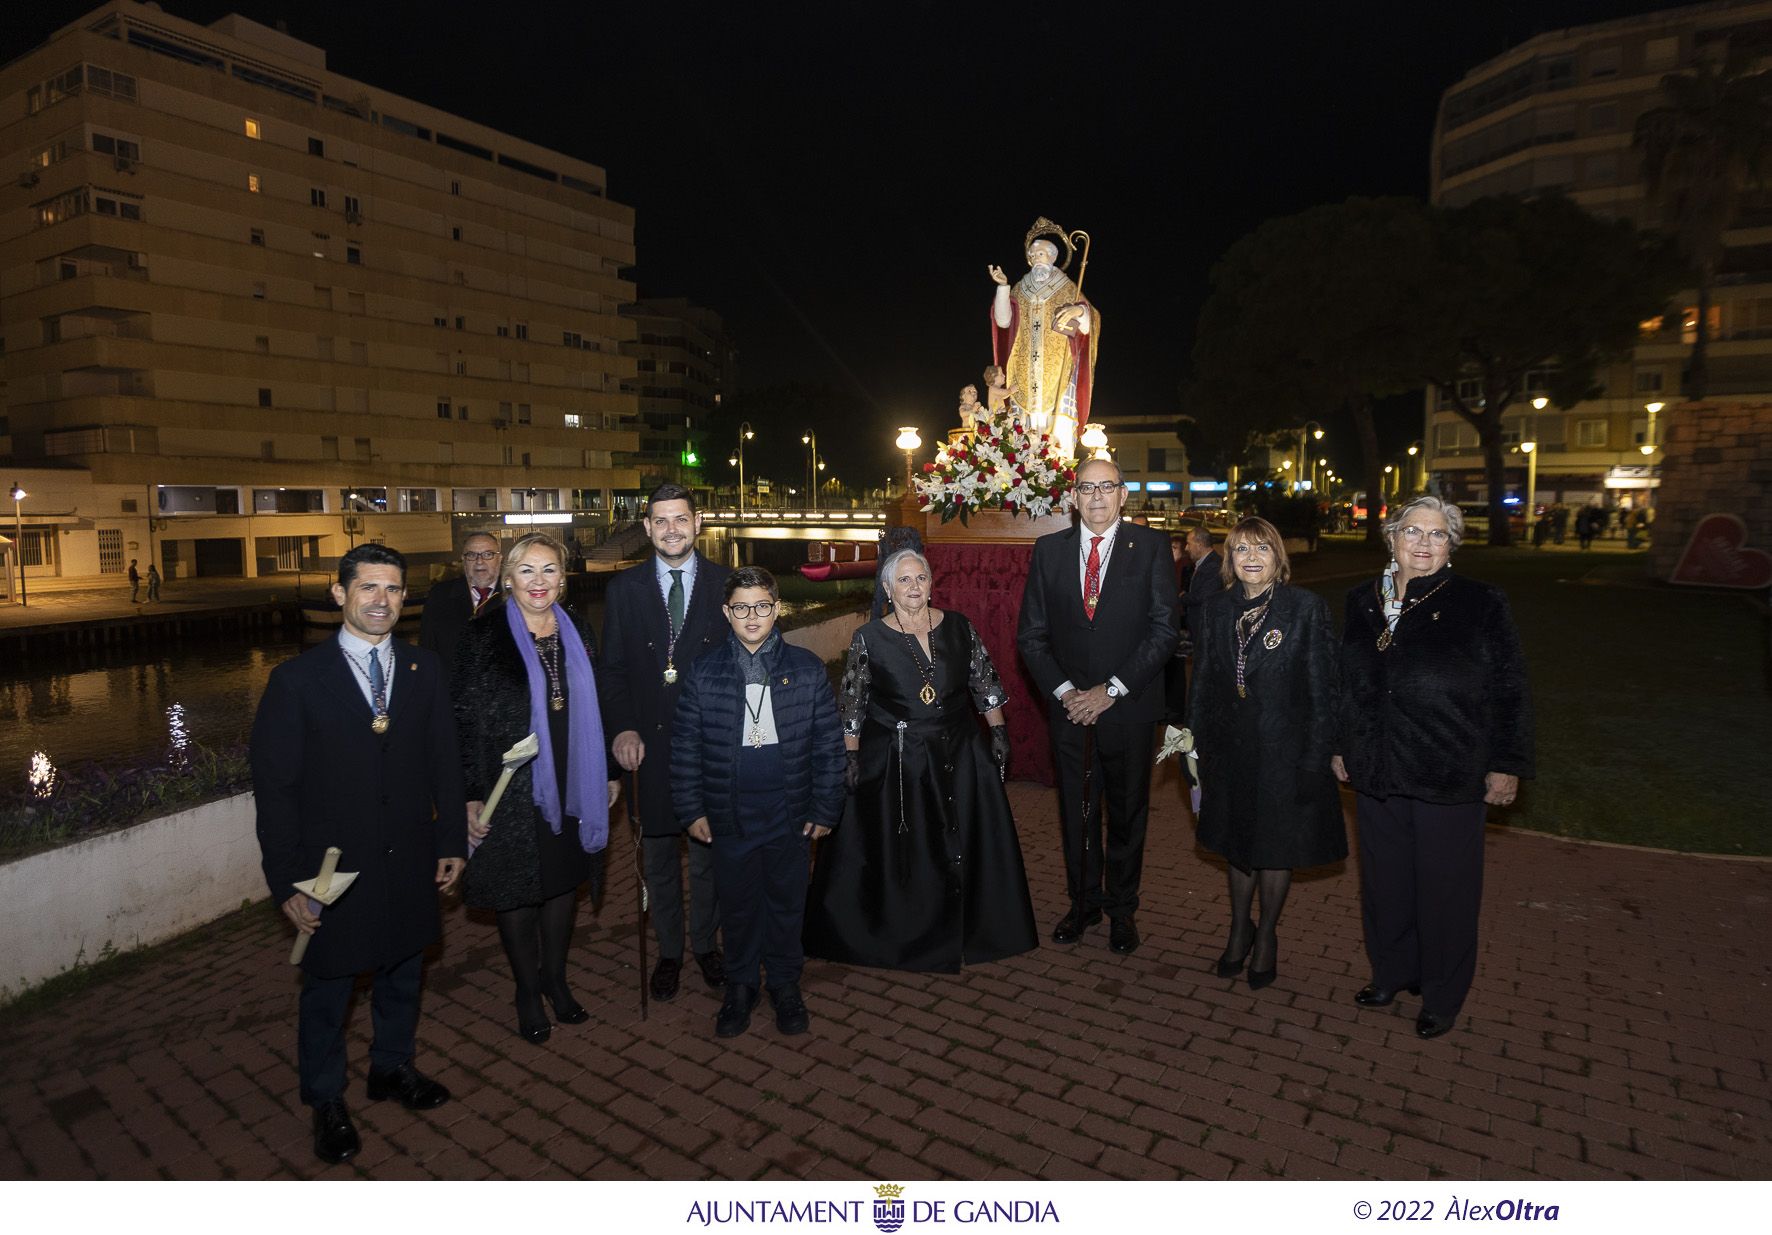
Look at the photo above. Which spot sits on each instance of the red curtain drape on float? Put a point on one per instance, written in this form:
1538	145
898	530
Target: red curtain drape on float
985	582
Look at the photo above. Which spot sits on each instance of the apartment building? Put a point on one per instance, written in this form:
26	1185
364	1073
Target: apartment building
1558	113
254	312
685	366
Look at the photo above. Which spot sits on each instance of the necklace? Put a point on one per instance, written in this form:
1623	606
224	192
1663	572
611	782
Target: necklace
1387	636
378	698
1247	624
924	670
549	647
755	737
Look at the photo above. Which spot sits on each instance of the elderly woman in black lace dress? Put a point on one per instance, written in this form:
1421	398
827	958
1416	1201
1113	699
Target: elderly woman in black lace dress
926	872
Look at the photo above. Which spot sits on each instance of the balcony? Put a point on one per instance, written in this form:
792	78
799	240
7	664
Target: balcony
102	439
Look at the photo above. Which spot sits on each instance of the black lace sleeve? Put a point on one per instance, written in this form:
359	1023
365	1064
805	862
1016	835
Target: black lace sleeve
852	699
987	687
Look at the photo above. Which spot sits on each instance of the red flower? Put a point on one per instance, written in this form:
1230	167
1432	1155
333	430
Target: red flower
929	467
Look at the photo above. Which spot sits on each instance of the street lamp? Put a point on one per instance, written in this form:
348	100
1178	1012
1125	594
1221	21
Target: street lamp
1094	440
18	540
1648	446
1311	432
1530	448
909	441
814	464
1415	451
745	434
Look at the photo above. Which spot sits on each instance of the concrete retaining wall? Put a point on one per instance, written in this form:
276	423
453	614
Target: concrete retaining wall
125	890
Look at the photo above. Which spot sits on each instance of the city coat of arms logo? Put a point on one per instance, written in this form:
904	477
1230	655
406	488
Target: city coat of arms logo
888	1207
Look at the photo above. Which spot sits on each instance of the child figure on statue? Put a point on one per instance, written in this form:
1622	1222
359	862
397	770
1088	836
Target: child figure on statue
757	763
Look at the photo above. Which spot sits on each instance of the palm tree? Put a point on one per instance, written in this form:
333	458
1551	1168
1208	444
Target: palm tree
1703	149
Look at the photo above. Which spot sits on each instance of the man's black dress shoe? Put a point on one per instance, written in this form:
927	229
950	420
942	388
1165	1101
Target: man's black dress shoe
415	1090
790	1010
1373	995
335	1136
665	976
1123	935
735	1011
1070	928
1427	1025
713	969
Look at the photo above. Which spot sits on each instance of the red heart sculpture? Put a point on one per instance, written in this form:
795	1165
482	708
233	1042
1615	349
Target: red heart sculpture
1718	556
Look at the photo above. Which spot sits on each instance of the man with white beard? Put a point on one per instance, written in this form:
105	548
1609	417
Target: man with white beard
1044	334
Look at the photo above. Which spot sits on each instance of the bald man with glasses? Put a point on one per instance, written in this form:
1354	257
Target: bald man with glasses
453	603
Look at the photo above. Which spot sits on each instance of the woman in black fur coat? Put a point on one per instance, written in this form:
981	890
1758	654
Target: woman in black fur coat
1262	711
526	667
1436	727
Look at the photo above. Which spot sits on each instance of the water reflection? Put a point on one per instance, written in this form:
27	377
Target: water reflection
178	738
42	776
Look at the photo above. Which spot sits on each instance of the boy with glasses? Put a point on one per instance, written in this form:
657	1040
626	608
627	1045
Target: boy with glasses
757	767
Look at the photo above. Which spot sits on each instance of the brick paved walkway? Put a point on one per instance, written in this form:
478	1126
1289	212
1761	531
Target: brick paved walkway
1618	1028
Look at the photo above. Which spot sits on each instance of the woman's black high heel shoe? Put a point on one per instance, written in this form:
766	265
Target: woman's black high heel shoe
532	1022
1262	978
1229	966
567	1010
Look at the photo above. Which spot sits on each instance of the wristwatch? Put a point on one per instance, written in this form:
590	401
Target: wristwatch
1114	692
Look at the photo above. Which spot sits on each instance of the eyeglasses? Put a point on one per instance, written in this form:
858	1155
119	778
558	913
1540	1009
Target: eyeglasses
1435	536
1089	488
763	608
483	556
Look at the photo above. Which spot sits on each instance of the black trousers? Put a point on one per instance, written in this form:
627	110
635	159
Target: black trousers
1421	890
762	890
325	1006
664	892
1122	783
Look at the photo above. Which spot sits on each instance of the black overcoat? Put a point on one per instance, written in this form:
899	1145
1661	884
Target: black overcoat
1131	636
491	689
449	607
1268	795
392	801
1445	704
630	682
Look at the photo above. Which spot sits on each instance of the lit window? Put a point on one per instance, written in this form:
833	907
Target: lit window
251	184
252	129
572	420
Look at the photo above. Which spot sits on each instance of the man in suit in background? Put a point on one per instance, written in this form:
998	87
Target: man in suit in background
1097	626
354	746
658	617
1207	580
453	603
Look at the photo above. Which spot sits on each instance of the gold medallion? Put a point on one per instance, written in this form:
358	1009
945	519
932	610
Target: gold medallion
756	737
1271	640
557	703
1384	638
670	674
1241	692
380	723
927	695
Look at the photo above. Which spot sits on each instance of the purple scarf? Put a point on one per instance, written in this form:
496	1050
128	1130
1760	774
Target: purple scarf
587	799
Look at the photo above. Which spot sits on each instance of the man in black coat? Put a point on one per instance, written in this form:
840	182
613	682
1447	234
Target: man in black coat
1207	580
1097	626
354	746
658	617
453	603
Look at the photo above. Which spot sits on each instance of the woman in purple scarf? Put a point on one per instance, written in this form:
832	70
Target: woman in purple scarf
524	667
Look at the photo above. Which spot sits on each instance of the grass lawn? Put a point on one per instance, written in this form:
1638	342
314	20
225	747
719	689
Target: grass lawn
1653	704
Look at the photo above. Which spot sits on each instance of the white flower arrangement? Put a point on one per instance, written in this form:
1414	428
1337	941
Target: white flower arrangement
999	465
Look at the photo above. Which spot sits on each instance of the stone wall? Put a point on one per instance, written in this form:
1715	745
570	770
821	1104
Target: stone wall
1716	459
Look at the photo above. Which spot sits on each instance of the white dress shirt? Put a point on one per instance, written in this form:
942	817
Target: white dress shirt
1086	538
359	652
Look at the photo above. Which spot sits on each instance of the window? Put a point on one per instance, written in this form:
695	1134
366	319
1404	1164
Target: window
120	147
252	129
455	233
353	205
1604	61
461	323
316	197
503	331
262	343
455	187
443	409
504	413
461	367
258	291
522	330
264	396
1590	433
316	147
523	414
440	321
353	255
251	183
572	420
356	302
571	338
463	413
1648	381
257	236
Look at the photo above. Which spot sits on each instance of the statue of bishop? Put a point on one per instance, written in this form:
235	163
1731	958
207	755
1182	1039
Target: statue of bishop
1044	334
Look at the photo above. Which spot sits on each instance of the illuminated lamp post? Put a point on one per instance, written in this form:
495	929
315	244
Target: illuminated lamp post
1095	441
745	434
18	541
909	441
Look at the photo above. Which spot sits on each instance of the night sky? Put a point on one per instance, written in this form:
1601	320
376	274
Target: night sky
834	177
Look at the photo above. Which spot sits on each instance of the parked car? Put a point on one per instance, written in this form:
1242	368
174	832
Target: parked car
1476	520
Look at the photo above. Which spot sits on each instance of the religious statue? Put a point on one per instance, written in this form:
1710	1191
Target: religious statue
1044	335
996	389
970	410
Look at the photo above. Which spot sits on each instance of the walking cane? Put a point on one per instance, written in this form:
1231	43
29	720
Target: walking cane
640	880
1088	827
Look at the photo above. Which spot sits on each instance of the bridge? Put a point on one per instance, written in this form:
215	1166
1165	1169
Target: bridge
769	524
